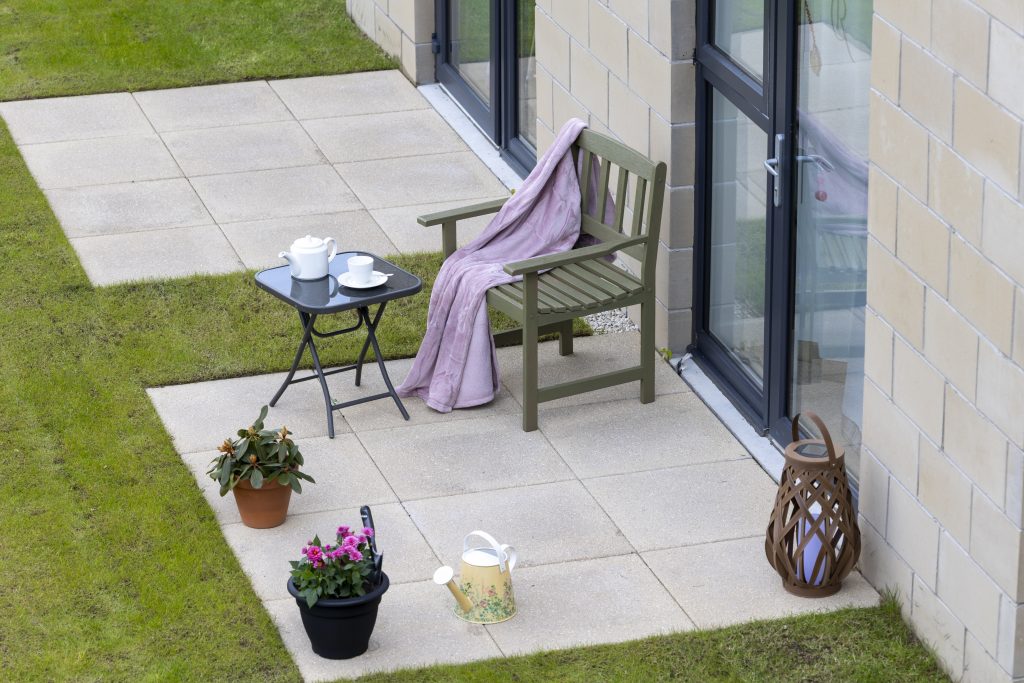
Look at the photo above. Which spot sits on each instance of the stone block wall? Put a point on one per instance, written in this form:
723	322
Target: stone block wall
943	470
403	28
626	67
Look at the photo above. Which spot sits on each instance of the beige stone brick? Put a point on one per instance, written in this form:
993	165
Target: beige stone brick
545	136
896	294
986	135
673	282
922	242
1014	505
975	445
673	25
1001	392
1010	649
544	5
362	13
417	61
544	96
926	90
414	17
913	533
552	48
565	106
955	191
996	545
677	217
917	390
951	344
981	293
1018	326
634	13
882	567
899	146
883	196
573	17
944	491
608	39
675	144
628	115
912	17
1003	232
589	79
968	592
891	436
1004	78
1010	12
874	490
980	666
878	351
885	58
939	628
952	22
668	86
672	329
387	33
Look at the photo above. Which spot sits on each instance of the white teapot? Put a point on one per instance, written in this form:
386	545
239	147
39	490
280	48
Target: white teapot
309	257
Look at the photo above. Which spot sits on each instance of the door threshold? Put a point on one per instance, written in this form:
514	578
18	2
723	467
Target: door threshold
763	449
456	117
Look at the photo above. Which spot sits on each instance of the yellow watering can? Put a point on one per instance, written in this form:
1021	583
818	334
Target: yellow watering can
484	594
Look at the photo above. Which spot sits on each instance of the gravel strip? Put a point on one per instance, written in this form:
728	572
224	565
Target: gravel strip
611	321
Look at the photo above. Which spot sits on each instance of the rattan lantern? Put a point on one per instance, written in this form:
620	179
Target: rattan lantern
813	540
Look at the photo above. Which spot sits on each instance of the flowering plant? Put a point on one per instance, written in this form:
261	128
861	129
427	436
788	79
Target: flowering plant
258	455
335	571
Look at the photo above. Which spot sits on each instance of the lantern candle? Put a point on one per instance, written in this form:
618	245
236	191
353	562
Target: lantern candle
813	548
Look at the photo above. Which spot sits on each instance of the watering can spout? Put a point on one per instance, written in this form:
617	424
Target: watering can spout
445	576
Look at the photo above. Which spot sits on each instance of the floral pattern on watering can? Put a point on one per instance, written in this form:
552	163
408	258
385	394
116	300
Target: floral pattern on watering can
486	580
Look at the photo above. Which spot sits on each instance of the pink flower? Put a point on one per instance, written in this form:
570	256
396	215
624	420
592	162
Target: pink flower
350	542
368	532
354	555
344	530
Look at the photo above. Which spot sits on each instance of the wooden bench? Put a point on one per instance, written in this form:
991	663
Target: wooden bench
557	288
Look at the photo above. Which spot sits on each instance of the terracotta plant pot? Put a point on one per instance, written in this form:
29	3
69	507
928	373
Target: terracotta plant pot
264	507
340	628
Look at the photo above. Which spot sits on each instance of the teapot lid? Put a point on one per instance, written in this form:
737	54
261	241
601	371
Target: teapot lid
308	243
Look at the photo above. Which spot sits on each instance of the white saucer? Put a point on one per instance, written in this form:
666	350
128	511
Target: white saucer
376	280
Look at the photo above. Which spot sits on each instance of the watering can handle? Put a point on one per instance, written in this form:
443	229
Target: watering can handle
510	553
499	550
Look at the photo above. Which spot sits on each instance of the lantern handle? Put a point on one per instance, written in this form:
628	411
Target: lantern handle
813	417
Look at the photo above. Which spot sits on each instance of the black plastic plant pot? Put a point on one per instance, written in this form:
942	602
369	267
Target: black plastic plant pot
340	628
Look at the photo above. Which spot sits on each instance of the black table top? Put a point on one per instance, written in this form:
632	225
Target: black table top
327	295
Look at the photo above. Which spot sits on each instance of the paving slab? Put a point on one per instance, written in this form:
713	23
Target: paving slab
258	243
277	193
200	416
730	582
415	627
399	223
128	207
211	106
333	463
413	180
598	439
74	118
184	251
444	458
264	553
547	523
384	135
369	92
100	161
252	147
606	600
687	505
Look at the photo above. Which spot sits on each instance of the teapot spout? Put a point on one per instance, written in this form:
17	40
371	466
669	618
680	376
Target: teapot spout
292	261
445	576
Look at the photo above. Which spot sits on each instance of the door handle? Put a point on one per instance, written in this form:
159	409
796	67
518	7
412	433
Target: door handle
774	168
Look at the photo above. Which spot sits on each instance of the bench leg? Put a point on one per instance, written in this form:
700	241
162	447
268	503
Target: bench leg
565	338
647	351
529	378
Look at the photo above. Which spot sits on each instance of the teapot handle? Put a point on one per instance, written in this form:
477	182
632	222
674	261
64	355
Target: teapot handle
499	550
334	248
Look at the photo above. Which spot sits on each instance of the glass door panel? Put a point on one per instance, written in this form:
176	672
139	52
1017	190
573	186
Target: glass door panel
739	32
526	73
470	44
737	236
830	195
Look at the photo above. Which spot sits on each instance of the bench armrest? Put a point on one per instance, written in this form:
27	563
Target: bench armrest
548	261
471	211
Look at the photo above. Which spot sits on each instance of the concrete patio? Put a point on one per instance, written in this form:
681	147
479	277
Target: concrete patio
219	178
629	520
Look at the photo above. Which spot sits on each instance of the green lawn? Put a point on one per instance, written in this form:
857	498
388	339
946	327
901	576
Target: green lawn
114	567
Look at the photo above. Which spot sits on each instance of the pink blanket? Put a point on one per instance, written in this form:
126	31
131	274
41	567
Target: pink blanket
456	366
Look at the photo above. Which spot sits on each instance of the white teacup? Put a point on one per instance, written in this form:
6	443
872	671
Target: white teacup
360	269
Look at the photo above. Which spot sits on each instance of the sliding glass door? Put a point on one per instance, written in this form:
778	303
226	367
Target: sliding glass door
486	59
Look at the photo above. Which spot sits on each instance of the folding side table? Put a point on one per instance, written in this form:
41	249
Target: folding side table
313	298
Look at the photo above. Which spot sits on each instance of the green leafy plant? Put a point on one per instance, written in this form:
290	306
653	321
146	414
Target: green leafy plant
259	456
335	571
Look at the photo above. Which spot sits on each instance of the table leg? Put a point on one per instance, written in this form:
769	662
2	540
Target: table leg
371	335
307	335
319	371
366	345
